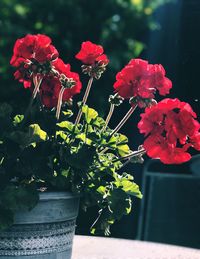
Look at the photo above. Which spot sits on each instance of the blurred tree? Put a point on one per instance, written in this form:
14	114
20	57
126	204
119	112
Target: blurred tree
119	25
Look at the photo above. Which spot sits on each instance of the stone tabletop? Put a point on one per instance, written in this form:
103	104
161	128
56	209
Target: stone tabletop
112	248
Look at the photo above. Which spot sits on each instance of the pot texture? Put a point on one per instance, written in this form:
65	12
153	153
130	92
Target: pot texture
46	232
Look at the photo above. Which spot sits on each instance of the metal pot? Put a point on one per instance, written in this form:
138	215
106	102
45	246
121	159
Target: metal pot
45	232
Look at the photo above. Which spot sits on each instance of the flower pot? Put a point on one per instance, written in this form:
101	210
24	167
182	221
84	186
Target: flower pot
46	232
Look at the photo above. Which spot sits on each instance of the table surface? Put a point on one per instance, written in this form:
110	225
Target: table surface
85	247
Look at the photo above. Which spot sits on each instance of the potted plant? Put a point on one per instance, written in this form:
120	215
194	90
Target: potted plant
50	157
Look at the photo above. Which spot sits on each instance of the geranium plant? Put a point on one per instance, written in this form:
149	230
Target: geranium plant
48	148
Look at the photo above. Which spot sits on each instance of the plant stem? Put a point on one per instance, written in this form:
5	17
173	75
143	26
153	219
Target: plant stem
126	117
27	111
58	109
100	213
133	154
37	86
34	94
112	107
84	100
122	122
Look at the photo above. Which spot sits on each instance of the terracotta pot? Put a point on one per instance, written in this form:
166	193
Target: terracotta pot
46	232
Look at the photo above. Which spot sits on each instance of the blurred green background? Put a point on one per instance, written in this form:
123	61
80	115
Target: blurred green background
121	26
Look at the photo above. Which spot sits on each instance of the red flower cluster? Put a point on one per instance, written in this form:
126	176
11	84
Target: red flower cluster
35	56
140	79
91	53
171	128
32	54
52	84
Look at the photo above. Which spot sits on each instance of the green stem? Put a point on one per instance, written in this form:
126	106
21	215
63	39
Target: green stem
84	100
123	121
133	154
112	107
100	213
37	86
58	109
27	112
34	94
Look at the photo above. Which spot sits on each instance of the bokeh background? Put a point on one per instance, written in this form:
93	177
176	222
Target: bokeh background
161	31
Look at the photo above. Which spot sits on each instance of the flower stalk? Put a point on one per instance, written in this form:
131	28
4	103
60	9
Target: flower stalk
112	107
123	121
133	154
85	97
37	83
114	100
59	105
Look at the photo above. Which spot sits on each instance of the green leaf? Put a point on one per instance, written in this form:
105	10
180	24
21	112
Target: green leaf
6	218
122	139
99	122
67	125
123	150
125	182
67	113
131	188
105	220
19	137
18	119
5	110
62	135
65	173
112	141
36	134
119	203
83	137
17	198
81	159
90	114
102	190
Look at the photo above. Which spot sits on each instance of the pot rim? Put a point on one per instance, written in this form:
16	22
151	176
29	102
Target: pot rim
48	195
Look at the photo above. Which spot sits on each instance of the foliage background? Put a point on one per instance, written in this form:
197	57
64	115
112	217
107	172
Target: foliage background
119	25
126	28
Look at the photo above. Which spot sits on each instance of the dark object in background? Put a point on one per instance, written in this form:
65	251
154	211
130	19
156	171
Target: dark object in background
195	165
170	208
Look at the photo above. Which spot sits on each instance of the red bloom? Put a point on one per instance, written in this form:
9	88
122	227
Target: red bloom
49	91
51	85
33	47
171	128
140	79
91	53
32	54
23	77
157	147
159	81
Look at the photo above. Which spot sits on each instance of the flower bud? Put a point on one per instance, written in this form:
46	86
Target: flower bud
116	100
67	82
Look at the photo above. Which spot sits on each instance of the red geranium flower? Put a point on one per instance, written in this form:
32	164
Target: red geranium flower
157	147
23	77
140	79
32	54
33	47
159	80
171	128
52	84
91	53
